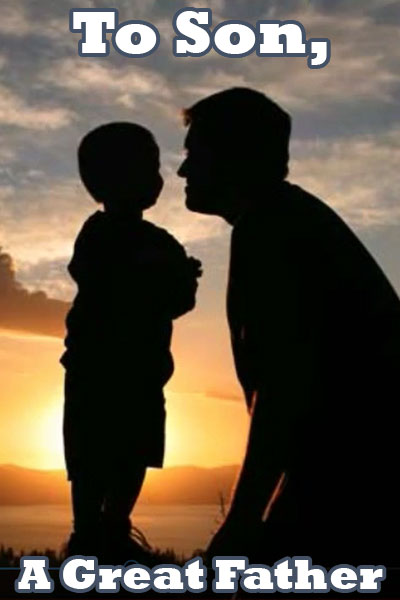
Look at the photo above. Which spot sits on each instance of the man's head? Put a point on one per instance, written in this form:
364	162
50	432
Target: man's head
238	142
119	164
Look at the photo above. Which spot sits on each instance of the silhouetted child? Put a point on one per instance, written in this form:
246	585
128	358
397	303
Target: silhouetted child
133	279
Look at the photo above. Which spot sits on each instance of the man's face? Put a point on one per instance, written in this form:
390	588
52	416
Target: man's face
206	174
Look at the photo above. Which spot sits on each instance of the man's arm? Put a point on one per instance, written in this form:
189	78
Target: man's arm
270	454
278	338
277	413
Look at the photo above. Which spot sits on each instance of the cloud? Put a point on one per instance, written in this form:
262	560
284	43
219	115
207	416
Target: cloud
15	111
7	155
363	67
49	275
42	218
14	19
111	84
24	311
20	18
359	176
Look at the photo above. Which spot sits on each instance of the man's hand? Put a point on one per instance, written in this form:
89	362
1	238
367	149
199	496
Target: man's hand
250	397
234	539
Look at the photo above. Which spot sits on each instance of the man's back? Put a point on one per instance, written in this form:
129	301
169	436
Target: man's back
316	330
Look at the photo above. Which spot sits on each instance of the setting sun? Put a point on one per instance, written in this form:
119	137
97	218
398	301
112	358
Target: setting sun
47	438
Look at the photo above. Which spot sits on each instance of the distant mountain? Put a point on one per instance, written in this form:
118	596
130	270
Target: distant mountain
19	485
189	485
175	485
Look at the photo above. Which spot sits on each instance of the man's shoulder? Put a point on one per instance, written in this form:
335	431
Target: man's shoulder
310	205
293	226
294	203
289	212
314	219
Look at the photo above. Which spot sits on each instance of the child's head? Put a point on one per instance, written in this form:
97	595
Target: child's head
119	164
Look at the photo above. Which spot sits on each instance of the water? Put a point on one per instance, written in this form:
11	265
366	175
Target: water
181	527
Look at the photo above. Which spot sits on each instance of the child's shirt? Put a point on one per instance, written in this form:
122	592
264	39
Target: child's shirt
133	279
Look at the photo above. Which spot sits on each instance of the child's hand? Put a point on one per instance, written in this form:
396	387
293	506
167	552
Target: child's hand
195	267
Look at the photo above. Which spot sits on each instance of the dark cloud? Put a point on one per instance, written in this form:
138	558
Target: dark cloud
24	311
49	275
385	11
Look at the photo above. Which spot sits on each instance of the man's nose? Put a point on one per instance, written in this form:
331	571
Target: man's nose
182	171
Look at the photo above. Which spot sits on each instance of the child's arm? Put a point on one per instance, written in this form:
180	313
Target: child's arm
86	262
184	296
182	279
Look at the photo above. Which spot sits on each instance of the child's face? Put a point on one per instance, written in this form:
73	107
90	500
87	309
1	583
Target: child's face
140	186
148	182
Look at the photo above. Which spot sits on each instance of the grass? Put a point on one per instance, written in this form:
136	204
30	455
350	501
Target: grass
9	558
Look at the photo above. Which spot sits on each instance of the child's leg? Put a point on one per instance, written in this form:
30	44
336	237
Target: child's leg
120	498
87	501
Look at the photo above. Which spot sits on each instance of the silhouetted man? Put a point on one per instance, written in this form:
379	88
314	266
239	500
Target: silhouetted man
315	329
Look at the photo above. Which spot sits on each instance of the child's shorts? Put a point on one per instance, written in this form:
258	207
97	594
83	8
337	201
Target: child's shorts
111	424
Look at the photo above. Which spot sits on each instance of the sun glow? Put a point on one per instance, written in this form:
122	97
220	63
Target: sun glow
48	440
199	432
204	431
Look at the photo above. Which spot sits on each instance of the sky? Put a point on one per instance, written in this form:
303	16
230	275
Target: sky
345	149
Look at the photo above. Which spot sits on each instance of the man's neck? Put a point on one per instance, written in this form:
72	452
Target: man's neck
250	197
